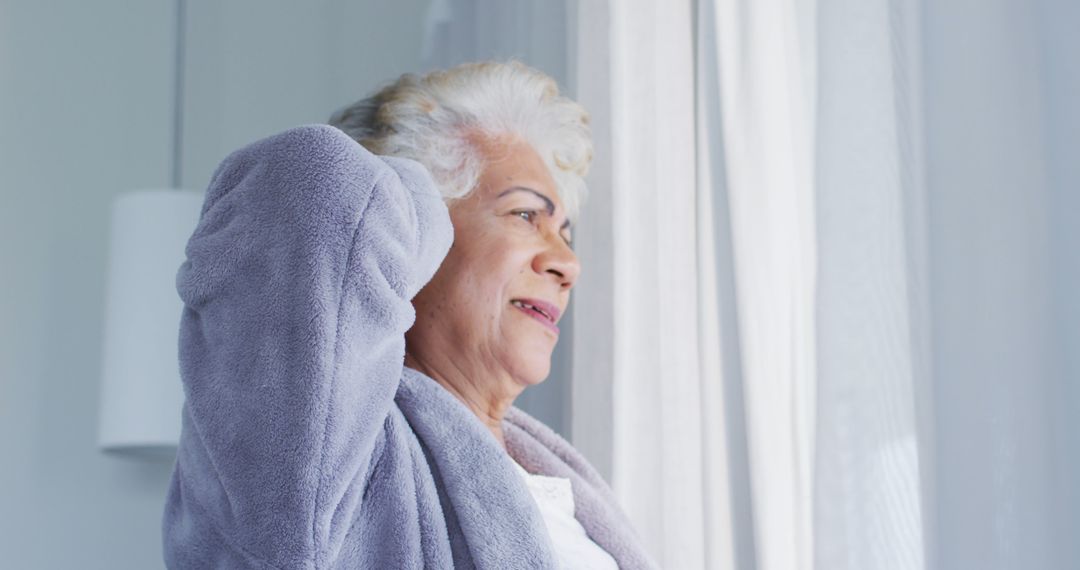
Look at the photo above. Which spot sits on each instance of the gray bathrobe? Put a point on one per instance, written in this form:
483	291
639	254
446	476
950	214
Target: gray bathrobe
305	442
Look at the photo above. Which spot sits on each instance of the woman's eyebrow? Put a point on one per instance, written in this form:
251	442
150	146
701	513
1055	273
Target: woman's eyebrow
547	201
549	205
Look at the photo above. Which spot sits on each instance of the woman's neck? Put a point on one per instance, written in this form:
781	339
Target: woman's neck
486	395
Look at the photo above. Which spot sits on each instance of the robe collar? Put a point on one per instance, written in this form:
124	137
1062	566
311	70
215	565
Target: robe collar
499	518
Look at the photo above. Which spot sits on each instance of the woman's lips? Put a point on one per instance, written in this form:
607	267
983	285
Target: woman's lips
536	309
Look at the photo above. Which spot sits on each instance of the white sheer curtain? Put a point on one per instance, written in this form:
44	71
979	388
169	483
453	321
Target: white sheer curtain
763	54
819	106
712	264
820	111
648	403
824	271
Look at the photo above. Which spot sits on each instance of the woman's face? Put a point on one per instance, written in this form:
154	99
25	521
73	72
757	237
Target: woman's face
493	303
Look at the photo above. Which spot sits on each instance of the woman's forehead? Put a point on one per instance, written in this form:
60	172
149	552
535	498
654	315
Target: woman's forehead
513	168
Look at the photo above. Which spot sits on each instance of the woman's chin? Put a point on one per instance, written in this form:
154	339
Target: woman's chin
532	371
529	349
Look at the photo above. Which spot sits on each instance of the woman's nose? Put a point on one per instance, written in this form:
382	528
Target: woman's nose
559	260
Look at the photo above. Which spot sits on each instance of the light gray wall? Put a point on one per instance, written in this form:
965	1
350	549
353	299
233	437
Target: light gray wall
86	114
255	68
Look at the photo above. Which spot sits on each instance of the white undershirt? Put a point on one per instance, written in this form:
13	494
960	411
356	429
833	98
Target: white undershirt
573	547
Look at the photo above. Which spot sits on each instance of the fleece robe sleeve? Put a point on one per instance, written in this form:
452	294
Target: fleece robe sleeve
296	291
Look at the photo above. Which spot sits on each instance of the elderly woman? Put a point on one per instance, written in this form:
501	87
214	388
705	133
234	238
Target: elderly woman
360	313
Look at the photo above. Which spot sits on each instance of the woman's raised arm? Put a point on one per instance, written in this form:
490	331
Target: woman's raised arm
297	291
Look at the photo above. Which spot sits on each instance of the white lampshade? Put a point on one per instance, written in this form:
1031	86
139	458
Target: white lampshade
141	393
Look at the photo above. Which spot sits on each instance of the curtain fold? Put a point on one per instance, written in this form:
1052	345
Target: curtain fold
668	441
728	506
869	193
657	467
766	102
819	111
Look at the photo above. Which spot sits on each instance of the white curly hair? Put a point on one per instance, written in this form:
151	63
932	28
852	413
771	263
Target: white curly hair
430	118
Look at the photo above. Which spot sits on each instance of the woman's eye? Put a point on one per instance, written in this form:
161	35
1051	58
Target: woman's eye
527	215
